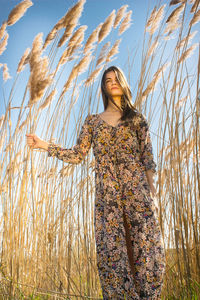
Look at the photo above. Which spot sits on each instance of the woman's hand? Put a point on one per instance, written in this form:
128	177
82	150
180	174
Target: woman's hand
35	142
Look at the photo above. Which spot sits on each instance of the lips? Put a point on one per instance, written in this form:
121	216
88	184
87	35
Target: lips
114	88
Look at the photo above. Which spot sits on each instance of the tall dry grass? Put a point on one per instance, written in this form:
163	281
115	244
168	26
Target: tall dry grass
47	207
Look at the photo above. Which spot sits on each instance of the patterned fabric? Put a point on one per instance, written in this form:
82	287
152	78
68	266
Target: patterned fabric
122	155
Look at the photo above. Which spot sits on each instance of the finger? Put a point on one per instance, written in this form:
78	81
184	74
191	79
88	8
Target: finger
30	141
29	135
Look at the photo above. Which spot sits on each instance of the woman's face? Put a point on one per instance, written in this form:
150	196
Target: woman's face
112	85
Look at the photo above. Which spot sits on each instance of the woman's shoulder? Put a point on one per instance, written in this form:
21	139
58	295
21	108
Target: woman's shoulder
91	119
139	119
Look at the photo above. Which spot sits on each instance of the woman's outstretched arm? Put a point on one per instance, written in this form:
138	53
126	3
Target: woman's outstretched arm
73	155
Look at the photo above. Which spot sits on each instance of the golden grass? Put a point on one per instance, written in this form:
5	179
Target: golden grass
126	22
106	27
47	207
3	29
18	11
4	43
23	60
6	74
120	15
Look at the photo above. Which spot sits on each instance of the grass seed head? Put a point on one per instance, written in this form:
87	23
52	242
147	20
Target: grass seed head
187	53
186	40
126	23
23	60
50	37
36	50
156	19
92	39
103	53
3	29
106	27
93	75
195	5
120	14
6	74
48	100
196	18
68	32
114	50
4	43
18	11
74	14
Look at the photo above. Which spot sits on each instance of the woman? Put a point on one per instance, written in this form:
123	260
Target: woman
130	253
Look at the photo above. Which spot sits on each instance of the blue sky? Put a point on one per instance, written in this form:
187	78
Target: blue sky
44	14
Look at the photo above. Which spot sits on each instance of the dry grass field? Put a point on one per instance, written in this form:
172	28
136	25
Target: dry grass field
47	244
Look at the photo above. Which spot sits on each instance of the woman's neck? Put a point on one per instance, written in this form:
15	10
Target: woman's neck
112	107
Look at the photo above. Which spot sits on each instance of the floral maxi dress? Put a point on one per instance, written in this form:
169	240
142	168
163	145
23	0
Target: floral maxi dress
130	250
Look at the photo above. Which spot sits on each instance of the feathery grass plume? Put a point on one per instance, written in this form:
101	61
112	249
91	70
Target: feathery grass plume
59	25
154	81
71	77
48	99
173	19
92	39
68	54
78	34
151	18
156	20
3	29
186	39
120	15
103	53
196	18
187	53
93	76
4	43
74	13
50	37
68	32
152	48
174	2
39	80
83	64
195	6
77	70
174	16
126	23
38	88
6	74
36	50
18	11
71	17
170	28
23	60
106	27
114	50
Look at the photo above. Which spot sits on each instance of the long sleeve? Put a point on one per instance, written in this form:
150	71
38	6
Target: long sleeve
78	152
147	158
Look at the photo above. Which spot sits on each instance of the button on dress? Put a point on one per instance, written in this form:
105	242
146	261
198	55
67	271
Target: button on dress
130	249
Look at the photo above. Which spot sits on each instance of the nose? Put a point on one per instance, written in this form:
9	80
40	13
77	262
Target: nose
114	81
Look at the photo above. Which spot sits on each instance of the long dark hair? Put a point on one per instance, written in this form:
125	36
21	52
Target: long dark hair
128	109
